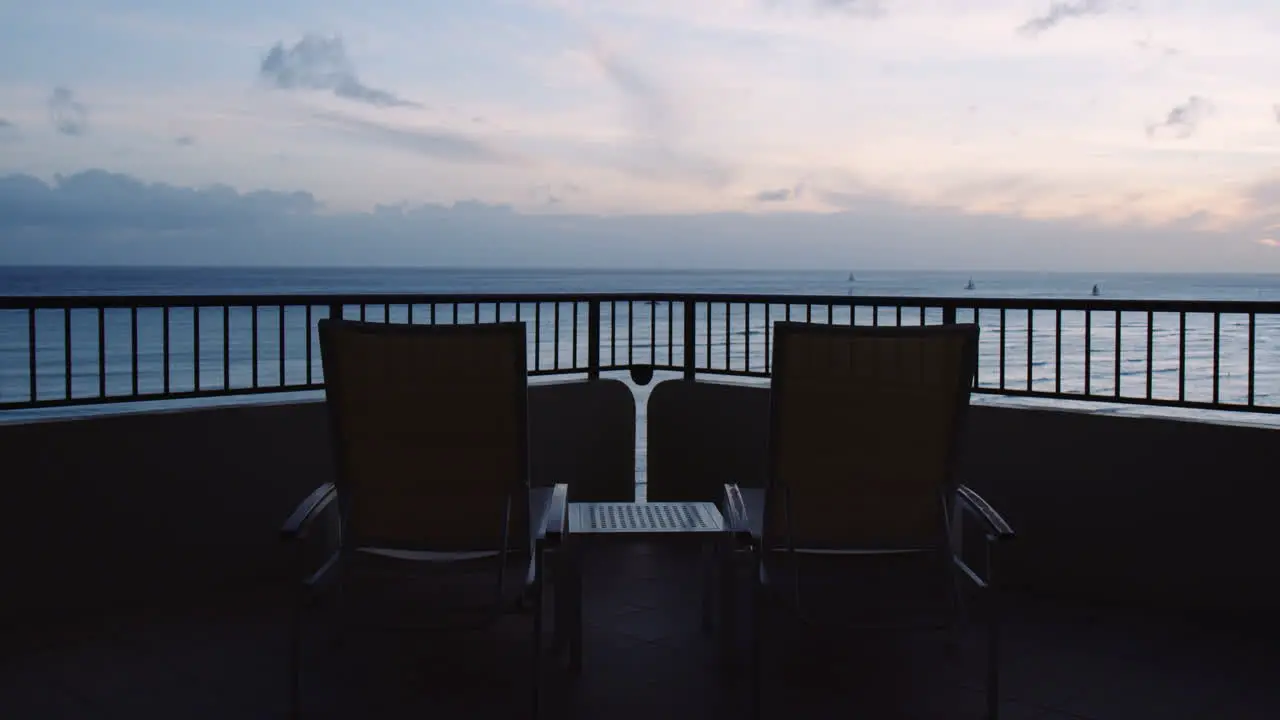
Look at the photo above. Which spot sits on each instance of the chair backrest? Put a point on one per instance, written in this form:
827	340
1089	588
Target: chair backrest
864	424
430	433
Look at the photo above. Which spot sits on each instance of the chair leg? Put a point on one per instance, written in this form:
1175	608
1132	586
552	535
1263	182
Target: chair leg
537	633
995	607
338	633
757	630
993	666
728	604
573	557
295	659
709	555
959	613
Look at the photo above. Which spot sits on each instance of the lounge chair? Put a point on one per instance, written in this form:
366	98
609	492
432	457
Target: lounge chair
864	429
430	439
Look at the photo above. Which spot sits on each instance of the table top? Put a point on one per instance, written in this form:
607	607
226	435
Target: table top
644	518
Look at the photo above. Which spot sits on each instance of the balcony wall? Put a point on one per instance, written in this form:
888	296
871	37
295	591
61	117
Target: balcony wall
1135	510
132	507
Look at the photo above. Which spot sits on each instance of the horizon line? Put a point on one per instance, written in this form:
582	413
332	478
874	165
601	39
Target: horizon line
637	270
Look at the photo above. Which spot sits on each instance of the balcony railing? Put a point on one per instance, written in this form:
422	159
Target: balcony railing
58	351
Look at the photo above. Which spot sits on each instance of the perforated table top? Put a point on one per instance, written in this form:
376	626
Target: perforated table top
647	518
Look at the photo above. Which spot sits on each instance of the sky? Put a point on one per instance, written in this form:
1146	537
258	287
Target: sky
939	134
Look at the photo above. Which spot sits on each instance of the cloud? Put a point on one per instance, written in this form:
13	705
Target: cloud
1060	12
864	8
1264	196
658	150
101	218
97	201
5	124
184	141
651	109
320	63
1269	242
69	116
1276	109
665	164
551	195
778	195
440	144
1165	50
1185	118
773	196
1262	200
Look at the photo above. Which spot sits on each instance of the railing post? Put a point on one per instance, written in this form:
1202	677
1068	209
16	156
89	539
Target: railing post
949	315
335	311
593	339
690	339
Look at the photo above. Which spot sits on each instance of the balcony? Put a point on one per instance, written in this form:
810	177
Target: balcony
145	579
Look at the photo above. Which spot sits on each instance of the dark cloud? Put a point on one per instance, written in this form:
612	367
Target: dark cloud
184	141
100	218
1185	118
773	196
5	124
320	63
96	201
779	195
552	195
1060	12
439	144
69	116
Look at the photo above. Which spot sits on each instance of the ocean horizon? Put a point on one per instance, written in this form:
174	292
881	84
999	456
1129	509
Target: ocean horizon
263	280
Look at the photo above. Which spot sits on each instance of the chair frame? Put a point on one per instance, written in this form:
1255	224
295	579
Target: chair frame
301	523
961	501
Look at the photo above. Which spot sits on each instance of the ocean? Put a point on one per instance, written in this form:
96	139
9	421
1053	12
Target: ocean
740	344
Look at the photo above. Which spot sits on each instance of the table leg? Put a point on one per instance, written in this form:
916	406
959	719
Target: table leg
575	603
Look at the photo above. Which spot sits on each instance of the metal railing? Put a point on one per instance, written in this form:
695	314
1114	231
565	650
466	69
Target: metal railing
88	350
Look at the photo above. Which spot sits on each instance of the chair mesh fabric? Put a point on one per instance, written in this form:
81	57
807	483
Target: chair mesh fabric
863	431
430	432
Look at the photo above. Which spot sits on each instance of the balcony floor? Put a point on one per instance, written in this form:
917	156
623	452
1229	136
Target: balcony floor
645	657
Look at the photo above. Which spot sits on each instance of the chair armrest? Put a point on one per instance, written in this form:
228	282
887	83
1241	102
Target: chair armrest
735	511
299	523
555	524
736	515
997	529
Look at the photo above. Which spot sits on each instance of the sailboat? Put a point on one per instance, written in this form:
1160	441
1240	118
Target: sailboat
851	278
1096	291
970	286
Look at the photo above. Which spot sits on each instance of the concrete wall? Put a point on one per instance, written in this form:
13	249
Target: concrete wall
133	507
1134	510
